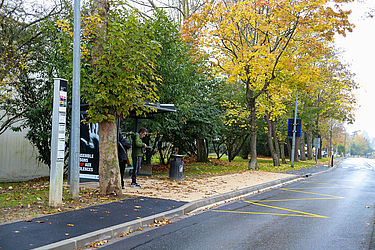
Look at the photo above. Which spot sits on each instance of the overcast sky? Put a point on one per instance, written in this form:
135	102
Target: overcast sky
359	52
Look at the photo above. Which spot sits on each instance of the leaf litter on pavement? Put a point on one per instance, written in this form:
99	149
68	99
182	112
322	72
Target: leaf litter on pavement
29	200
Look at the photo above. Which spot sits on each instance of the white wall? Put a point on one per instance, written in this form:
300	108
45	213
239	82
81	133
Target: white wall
18	158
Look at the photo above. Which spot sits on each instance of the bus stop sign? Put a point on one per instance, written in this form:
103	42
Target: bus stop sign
298	127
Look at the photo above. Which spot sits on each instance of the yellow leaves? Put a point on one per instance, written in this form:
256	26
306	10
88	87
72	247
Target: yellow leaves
65	26
88	31
236	114
159	223
97	244
254	34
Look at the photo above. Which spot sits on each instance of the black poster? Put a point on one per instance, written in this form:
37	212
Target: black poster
89	150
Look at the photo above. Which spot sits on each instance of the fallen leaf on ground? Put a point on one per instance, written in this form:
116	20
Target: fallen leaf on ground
98	243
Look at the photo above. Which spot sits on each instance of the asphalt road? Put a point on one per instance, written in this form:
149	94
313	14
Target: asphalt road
332	210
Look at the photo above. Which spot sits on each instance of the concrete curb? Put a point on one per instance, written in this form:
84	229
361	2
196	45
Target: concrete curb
335	165
113	231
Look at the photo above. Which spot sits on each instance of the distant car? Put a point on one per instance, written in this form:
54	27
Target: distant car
324	154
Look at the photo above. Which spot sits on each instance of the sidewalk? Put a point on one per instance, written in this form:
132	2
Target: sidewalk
79	228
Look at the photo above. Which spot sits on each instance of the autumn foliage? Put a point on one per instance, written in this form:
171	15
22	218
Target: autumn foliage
267	45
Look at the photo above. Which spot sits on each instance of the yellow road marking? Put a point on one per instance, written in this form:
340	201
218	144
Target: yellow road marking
302	199
291	190
286	209
296	215
319	187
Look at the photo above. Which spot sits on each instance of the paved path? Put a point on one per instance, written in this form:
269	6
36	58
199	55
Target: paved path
75	229
53	228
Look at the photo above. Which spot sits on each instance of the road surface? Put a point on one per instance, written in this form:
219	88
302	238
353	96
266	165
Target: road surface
332	210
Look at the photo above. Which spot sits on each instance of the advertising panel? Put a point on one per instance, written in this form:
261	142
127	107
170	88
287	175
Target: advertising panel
89	150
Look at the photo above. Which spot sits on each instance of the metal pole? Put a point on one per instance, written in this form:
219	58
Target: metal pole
294	131
75	127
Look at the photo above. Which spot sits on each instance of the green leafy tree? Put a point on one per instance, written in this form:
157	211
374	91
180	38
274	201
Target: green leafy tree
22	30
186	84
122	77
26	101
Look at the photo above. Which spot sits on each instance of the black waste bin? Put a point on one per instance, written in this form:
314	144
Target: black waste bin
176	167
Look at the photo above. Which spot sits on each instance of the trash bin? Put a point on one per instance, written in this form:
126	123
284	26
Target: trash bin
176	167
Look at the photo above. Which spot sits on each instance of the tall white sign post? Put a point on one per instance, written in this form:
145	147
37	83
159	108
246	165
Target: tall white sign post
58	142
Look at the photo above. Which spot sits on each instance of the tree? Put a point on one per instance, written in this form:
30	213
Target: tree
360	146
179	10
188	85
22	29
26	101
121	77
247	40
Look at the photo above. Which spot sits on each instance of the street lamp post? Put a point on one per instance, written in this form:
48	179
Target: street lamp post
75	126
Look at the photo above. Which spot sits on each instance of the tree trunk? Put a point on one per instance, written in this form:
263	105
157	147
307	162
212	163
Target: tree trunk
229	150
320	148
207	148
282	152
302	146
201	151
296	146
309	141
275	158
234	147
101	8
330	143
253	163
217	150
161	153
109	174
289	147
148	154
275	139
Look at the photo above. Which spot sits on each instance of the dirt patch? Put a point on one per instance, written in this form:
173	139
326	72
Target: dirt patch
194	189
